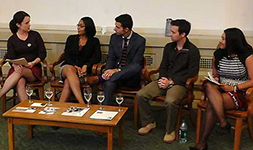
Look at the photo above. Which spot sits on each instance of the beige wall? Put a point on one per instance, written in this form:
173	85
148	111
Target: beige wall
56	19
55	43
210	16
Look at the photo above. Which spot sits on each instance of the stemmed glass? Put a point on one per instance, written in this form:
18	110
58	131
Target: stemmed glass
29	92
101	98
119	100
49	94
87	91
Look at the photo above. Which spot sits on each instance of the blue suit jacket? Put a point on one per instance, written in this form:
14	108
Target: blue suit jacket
135	51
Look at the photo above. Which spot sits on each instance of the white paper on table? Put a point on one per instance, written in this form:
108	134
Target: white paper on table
39	104
49	110
104	115
24	109
79	113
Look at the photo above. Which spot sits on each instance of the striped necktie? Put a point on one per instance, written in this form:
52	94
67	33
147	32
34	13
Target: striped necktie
124	52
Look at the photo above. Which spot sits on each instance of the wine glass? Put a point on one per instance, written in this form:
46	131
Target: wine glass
49	94
119	100
87	91
101	98
29	92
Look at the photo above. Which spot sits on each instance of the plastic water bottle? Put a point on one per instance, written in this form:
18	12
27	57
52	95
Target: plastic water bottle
167	27
183	132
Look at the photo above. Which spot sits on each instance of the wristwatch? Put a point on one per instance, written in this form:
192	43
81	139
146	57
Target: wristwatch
119	69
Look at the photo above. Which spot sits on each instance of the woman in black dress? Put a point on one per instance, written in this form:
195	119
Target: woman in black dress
81	52
24	43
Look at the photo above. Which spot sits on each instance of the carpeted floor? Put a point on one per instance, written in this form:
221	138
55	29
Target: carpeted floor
45	138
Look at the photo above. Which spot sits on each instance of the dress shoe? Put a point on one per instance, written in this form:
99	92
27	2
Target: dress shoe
194	148
227	128
55	127
169	138
92	80
101	133
145	130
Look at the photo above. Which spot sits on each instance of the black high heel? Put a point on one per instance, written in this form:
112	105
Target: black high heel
194	148
227	128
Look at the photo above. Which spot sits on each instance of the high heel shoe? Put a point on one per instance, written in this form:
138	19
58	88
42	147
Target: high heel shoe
227	128
194	148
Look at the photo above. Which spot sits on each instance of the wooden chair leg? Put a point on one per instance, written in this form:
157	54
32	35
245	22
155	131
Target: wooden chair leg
136	105
14	101
14	97
198	127
41	93
54	94
3	103
190	114
238	131
179	116
250	127
30	131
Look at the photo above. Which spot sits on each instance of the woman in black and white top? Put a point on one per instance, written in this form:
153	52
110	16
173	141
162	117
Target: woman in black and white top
232	67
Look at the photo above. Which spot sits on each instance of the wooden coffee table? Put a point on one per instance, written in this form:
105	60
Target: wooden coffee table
59	120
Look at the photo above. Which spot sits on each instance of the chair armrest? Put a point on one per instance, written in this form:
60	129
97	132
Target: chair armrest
2	62
100	69
189	86
148	74
249	98
190	82
97	69
144	80
52	65
44	66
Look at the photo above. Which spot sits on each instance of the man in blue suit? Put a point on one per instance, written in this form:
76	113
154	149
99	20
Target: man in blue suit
125	58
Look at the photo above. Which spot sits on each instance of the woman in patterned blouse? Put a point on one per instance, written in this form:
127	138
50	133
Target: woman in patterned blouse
232	67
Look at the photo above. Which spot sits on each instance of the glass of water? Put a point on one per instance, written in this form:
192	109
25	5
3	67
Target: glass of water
119	100
87	91
49	94
101	98
29	92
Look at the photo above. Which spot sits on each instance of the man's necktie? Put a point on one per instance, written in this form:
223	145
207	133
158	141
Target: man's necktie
124	52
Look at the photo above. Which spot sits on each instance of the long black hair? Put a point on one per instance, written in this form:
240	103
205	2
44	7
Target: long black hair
235	44
17	18
90	28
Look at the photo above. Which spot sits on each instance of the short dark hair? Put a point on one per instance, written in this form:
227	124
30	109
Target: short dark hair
17	18
183	26
90	28
125	20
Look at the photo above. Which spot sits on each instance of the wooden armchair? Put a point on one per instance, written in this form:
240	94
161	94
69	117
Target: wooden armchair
185	102
127	91
243	118
36	85
55	84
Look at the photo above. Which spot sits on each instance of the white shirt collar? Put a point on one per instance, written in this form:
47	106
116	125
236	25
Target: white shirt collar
128	36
